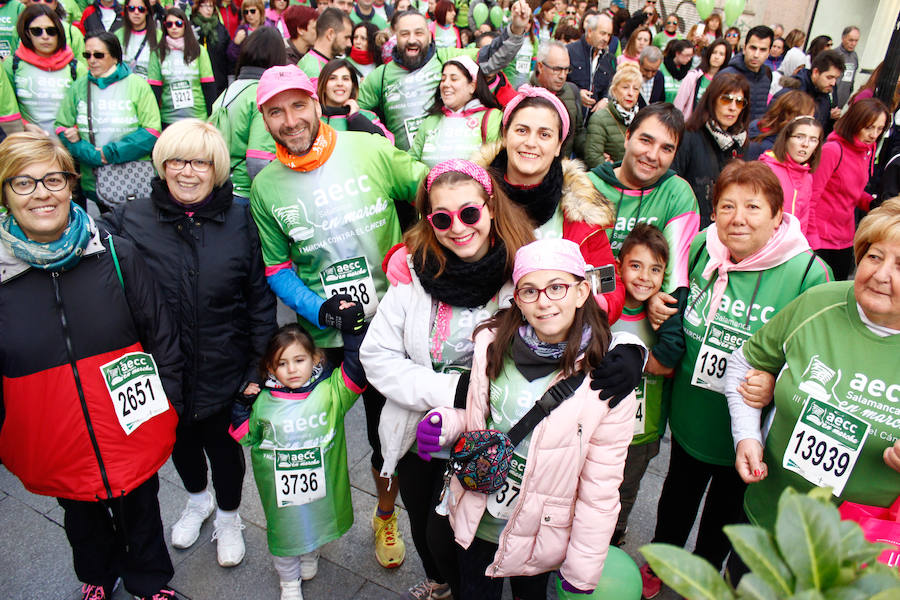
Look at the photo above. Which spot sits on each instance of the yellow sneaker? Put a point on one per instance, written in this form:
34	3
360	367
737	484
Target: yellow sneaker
389	547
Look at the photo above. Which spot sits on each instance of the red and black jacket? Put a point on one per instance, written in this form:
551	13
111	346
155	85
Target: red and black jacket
60	434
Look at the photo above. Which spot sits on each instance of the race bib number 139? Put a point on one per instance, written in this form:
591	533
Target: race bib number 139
135	389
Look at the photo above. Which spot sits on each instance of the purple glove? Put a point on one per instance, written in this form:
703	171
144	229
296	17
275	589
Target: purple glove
569	587
428	435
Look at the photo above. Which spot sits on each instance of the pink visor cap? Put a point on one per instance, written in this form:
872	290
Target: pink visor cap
281	79
551	254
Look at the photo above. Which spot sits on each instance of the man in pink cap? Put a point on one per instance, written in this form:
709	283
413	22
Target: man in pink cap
326	218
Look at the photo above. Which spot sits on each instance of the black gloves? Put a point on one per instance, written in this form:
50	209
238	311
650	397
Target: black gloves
619	373
345	319
241	407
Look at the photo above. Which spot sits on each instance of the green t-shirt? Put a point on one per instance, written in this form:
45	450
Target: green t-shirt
9	16
401	97
511	396
671	84
662	39
699	413
376	19
649	418
336	223
442	137
239	101
306	492
137	53
39	92
520	68
845	382
311	63
182	94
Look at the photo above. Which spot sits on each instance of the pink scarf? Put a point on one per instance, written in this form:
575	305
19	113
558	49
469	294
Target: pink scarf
786	243
175	43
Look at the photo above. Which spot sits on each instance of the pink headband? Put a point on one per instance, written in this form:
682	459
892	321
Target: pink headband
468	65
457	165
527	91
556	254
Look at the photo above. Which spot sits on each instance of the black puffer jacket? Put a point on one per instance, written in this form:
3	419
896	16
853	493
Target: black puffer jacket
699	160
211	271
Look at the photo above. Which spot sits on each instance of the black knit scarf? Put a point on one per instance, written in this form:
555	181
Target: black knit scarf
540	201
676	71
465	284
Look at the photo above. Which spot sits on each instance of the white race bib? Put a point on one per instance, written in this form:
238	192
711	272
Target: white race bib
848	74
352	277
299	476
502	503
824	445
135	389
640	415
182	95
523	63
411	125
712	360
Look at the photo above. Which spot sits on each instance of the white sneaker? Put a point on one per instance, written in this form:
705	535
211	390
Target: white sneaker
290	590
309	565
187	529
229	540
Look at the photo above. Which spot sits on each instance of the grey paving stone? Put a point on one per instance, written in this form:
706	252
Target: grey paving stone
35	560
11	485
372	591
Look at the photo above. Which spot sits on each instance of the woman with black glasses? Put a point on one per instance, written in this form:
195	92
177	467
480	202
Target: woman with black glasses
715	134
180	72
138	35
42	68
96	135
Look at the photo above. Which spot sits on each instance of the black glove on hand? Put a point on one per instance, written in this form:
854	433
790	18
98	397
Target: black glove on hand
344	319
619	373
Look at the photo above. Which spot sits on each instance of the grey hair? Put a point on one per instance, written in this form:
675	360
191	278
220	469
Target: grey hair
651	54
848	29
544	49
592	21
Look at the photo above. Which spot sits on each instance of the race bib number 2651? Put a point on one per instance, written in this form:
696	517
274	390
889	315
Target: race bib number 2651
135	389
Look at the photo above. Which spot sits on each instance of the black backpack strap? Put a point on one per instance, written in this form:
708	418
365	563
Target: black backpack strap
551	399
809	265
73	69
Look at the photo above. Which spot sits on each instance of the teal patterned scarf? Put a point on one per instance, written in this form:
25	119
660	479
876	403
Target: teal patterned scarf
61	255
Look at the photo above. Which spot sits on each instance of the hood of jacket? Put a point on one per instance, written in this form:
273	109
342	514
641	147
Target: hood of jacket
796	172
855	146
213	208
581	201
737	61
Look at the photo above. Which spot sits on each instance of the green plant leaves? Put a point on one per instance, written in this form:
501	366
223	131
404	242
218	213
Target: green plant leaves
809	540
754	587
855	550
867	587
689	575
757	549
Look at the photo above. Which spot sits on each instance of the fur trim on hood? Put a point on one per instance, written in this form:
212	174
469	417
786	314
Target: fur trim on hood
581	201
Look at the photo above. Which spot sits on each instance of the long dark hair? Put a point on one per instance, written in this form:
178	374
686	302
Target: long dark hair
263	48
191	45
482	91
30	14
706	108
328	70
149	27
371	46
707	53
109	40
506	325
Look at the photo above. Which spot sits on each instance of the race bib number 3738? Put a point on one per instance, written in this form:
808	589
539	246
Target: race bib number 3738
135	389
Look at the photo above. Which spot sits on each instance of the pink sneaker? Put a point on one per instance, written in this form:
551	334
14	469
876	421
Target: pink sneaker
92	592
650	583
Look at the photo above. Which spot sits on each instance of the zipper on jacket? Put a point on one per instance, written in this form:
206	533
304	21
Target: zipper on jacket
580	444
70	352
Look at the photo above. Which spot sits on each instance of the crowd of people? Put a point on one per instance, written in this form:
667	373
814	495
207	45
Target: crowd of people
532	237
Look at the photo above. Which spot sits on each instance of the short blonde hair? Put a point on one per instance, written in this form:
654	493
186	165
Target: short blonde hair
882	224
628	72
189	139
19	150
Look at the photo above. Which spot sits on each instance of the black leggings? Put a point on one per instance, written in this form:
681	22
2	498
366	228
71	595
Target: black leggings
420	487
680	501
122	537
210	436
841	261
475	585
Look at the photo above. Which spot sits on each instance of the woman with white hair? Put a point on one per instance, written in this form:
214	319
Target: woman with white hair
204	252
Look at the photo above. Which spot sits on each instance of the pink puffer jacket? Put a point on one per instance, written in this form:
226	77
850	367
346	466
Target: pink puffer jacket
796	183
570	491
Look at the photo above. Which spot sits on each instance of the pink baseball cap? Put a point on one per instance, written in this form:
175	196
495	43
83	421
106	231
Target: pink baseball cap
281	79
553	254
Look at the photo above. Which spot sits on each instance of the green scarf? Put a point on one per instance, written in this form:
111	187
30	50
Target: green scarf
209	28
61	255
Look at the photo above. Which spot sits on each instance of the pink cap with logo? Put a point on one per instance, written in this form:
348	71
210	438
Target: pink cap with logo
551	254
281	79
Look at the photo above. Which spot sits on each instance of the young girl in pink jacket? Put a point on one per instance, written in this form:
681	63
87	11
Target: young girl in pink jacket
839	183
558	507
793	158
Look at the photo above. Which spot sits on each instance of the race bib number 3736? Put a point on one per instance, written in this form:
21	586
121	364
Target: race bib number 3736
135	389
299	476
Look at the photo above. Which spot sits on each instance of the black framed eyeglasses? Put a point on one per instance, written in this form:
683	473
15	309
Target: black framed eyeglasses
138	9
200	165
249	11
554	291
97	55
26	184
558	70
39	31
